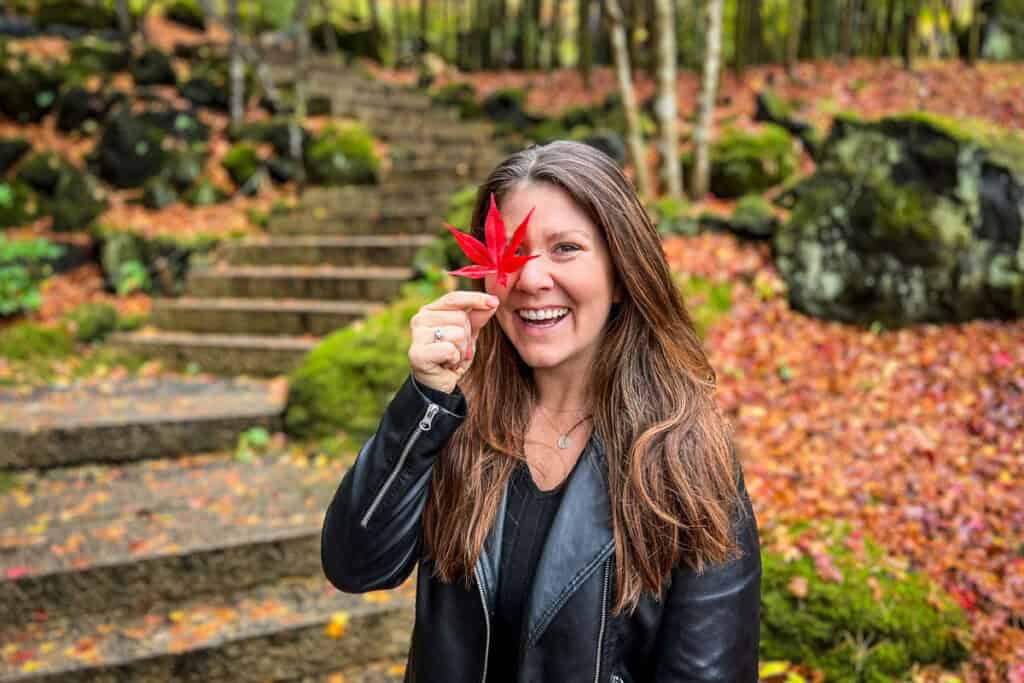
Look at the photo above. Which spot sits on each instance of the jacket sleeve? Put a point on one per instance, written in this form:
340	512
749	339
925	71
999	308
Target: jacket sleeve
371	532
711	625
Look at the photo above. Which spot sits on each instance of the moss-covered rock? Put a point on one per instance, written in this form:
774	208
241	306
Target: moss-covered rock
158	193
130	151
460	95
753	218
908	219
82	109
204	193
773	109
208	84
744	163
11	152
184	166
507	108
75	13
161	263
28	88
242	162
71	196
869	619
671	217
18	204
27	340
91	322
153	67
187	13
274	132
347	380
93	56
342	155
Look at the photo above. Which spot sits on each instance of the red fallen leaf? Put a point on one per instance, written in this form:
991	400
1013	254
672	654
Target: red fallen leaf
494	256
22	656
16	572
964	598
1002	359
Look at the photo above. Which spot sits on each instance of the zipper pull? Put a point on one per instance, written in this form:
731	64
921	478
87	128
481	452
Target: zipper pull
429	417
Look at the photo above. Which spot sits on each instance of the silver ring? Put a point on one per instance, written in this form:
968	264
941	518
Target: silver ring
438	335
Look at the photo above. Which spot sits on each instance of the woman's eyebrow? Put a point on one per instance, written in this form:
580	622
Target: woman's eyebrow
563	234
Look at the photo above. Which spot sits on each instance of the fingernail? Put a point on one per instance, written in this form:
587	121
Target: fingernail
492	300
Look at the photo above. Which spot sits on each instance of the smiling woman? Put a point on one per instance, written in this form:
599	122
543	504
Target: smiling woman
556	464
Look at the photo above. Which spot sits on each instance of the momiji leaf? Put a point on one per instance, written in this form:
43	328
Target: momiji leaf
494	257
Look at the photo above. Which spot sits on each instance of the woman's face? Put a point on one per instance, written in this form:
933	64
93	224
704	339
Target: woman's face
554	310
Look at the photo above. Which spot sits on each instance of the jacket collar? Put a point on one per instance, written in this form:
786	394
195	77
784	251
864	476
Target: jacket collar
579	540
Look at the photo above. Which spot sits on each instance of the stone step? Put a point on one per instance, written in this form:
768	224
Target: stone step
380	102
130	420
392	671
152	533
322	220
411	131
299	282
295	627
272	317
334	250
431	194
227	354
412	172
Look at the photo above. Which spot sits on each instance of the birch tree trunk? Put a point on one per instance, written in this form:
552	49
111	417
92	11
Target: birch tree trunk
701	135
666	105
584	40
301	89
124	20
236	68
330	38
621	50
796	20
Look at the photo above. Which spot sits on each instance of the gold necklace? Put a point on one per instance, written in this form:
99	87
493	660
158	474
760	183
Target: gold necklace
563	438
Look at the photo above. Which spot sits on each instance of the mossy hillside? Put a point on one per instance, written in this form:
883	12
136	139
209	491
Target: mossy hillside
346	381
342	155
152	264
241	162
71	196
91	322
744	163
26	341
871	620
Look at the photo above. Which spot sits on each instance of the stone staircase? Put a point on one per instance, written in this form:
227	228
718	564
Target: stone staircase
133	562
337	255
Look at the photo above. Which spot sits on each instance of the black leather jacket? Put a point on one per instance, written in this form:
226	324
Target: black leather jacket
706	628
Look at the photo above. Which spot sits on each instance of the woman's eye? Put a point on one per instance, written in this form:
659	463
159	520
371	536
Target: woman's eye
566	248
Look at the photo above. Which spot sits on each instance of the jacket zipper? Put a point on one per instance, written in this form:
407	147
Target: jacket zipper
424	426
487	623
600	634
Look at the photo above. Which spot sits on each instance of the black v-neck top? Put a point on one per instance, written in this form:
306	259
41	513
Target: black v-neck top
528	516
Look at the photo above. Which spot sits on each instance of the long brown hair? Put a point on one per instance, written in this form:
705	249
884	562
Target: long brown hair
671	471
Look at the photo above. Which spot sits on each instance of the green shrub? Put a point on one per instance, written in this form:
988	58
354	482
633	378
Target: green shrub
743	163
873	624
347	380
91	322
705	300
241	162
23	266
25	341
342	155
753	217
460	95
204	193
670	217
187	13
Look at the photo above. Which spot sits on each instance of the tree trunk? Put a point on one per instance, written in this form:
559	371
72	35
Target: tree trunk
584	40
124	20
396	29
374	18
739	30
796	19
909	33
705	120
421	43
330	38
556	34
666	105
621	50
846	31
237	67
301	89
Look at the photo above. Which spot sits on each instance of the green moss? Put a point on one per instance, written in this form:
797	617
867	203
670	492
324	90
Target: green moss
342	155
347	380
743	163
204	193
847	630
187	13
706	301
241	162
753	216
91	322
18	204
26	341
460	95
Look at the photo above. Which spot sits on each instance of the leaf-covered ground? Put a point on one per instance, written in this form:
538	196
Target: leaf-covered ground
915	437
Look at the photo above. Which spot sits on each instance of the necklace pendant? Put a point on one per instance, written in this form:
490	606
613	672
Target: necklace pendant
563	441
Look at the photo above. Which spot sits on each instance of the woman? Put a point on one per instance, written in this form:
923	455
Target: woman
555	464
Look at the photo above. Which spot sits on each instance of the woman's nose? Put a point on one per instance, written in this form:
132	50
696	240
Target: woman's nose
535	275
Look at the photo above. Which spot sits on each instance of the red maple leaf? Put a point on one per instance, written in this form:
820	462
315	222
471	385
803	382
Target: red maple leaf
494	256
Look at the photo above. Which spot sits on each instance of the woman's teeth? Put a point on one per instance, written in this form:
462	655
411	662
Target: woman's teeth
544	317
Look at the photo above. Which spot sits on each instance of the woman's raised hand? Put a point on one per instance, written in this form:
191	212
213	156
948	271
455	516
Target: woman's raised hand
444	336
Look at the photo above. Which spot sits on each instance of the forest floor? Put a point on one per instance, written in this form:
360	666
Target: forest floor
916	436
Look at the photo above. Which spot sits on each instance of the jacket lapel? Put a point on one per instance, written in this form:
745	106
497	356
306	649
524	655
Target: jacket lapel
578	542
487	565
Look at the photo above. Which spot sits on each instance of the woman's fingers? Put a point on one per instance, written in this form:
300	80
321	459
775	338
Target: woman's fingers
458	335
440	354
